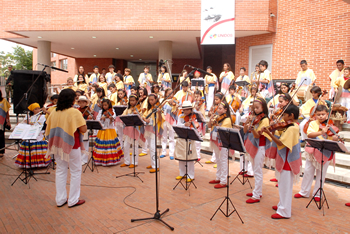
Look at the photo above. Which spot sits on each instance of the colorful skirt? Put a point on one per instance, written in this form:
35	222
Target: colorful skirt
107	150
36	158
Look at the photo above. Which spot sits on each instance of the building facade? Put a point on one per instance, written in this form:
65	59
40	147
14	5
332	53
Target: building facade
134	33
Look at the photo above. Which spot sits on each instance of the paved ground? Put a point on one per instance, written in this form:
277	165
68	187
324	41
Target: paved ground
110	201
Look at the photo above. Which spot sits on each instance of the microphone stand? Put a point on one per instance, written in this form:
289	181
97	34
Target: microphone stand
158	215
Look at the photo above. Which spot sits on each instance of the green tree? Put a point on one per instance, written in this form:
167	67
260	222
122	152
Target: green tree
20	58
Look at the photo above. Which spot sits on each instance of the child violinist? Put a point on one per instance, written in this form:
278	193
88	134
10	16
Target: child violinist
151	127
288	160
131	133
199	107
107	150
156	90
222	119
314	156
122	100
187	119
169	110
284	90
255	143
234	101
83	103
38	147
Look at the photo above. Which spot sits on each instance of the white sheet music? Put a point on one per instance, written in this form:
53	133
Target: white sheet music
26	132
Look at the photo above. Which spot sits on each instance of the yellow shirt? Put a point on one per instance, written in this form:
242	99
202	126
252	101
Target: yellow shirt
340	81
228	74
129	79
103	85
264	123
226	123
94	77
305	109
71	87
180	94
50	111
254	76
309	73
290	137
120	85
229	98
266	75
75	79
166	77
210	78
83	87
334	75
114	97
188	79
142	78
110	77
245	78
314	126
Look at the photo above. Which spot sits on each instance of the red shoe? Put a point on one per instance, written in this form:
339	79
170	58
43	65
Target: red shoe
274	180
347	204
251	201
275	207
277	216
348	122
246	175
317	199
218	186
276	185
214	182
297	195
241	173
250	195
80	202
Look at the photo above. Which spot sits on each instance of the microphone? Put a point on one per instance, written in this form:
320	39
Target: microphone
198	69
55	68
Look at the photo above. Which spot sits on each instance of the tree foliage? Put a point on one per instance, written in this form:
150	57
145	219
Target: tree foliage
20	59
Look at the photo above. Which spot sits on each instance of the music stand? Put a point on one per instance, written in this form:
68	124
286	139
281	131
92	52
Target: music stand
187	134
243	171
132	121
242	83
230	139
92	125
198	83
119	110
323	145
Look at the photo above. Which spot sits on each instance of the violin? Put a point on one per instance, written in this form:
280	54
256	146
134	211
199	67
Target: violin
276	114
199	103
332	129
124	101
219	118
312	111
280	125
108	113
292	88
190	118
258	118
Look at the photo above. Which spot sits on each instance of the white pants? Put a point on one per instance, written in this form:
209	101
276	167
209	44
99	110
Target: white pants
258	174
210	97
346	102
213	157
190	168
221	172
144	148
247	165
308	178
285	190
75	178
198	148
127	155
85	156
168	132
119	130
150	144
301	128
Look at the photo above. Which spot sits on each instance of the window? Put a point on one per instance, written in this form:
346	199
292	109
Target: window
258	53
53	55
64	64
53	64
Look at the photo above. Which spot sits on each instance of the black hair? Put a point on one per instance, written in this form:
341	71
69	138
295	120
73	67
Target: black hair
100	77
264	106
219	95
53	97
227	107
292	109
316	89
263	63
347	68
148	104
321	108
95	67
232	87
198	92
112	85
120	76
136	89
119	99
185	84
155	86
108	102
340	61
1	96
79	82
81	92
81	73
209	67
285	84
145	92
66	99
243	68
166	92
166	70
132	96
303	62
102	91
285	96
111	66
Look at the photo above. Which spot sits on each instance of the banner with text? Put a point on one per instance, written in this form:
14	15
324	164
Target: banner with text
218	22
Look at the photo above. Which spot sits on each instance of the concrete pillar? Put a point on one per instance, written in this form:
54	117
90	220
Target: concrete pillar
165	51
44	55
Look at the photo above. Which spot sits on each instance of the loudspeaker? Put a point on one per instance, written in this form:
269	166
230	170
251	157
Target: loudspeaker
22	80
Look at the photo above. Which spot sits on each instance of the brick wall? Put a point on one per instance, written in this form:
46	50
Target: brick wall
317	31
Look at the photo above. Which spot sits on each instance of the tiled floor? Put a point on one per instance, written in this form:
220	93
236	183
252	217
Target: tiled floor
109	204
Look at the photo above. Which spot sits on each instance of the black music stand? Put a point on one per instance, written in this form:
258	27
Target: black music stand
230	139
132	121
92	125
187	134
198	83
323	145
242	83
119	110
243	171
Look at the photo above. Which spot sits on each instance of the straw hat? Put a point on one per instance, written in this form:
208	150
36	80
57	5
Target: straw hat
84	98
186	105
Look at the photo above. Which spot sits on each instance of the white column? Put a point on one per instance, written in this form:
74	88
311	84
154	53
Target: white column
165	51
44	57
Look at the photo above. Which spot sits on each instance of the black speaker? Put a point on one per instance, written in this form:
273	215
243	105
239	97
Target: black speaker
22	80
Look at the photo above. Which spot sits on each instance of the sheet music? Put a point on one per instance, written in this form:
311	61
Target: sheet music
26	132
341	145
